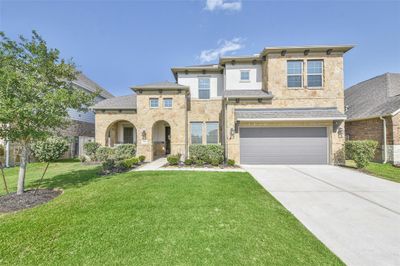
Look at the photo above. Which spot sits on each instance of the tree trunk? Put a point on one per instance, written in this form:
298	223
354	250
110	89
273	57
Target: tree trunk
22	169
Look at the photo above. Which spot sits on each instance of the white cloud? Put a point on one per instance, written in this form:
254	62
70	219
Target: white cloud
224	46
235	5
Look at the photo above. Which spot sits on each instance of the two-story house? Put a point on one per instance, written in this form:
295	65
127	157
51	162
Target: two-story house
284	105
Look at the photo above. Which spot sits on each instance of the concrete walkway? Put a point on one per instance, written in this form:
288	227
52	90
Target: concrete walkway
154	165
355	215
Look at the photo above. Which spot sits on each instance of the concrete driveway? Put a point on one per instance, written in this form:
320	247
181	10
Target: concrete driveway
355	215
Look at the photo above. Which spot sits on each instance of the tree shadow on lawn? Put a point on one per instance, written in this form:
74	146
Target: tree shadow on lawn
73	179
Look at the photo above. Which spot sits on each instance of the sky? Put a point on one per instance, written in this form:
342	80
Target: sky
124	43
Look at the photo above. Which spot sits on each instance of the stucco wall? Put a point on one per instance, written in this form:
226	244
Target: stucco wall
192	80
232	77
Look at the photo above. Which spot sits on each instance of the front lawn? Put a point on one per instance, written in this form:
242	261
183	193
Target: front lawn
386	171
153	218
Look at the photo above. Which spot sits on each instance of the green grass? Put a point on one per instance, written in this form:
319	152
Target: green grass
386	171
156	218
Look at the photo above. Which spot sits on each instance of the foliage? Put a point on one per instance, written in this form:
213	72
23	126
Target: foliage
199	162
188	161
174	159
231	162
2	150
36	92
104	153
129	163
142	158
125	151
207	153
361	151
90	149
215	162
82	158
108	165
120	166
49	150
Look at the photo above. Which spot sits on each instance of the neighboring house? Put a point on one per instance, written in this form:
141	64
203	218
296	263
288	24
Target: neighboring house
373	112
282	106
81	128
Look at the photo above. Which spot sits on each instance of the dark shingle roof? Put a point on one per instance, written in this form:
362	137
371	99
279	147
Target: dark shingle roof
127	102
252	94
160	86
289	113
379	96
90	85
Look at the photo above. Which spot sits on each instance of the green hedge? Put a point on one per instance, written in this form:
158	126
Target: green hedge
174	159
90	149
211	153
361	151
104	153
125	151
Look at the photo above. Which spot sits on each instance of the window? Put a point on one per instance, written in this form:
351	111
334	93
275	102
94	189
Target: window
196	132
153	103
212	132
244	75
314	73
167	102
294	74
204	88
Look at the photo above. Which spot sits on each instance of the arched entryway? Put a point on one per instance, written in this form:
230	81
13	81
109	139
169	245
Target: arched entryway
161	139
120	132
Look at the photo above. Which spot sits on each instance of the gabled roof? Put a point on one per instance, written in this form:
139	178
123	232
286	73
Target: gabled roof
91	86
127	102
166	85
378	96
288	114
247	94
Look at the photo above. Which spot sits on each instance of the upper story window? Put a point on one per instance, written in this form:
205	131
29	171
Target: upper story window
196	132
294	74
153	102
204	88
167	102
212	132
314	73
244	75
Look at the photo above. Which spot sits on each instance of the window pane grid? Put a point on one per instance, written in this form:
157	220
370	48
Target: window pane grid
196	132
244	75
314	73
212	132
204	88
153	103
294	74
168	103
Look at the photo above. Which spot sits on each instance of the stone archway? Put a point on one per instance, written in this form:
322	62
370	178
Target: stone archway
161	139
120	132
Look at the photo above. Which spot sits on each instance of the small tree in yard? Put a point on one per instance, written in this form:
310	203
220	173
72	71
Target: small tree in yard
48	151
361	151
36	92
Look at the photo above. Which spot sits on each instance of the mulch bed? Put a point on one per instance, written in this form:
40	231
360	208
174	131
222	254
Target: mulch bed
13	202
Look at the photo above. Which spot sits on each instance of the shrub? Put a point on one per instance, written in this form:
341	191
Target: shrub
125	151
104	153
2	150
215	162
90	149
207	153
174	159
108	165
50	149
188	162
142	158
361	151
129	163
82	158
199	162
120	166
231	162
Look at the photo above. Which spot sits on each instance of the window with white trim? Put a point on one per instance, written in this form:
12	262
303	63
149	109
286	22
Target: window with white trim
314	73
167	102
204	88
212	132
295	74
196	132
244	75
153	102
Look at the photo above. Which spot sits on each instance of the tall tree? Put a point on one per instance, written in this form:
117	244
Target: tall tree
36	92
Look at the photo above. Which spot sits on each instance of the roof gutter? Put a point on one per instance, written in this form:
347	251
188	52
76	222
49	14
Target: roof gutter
292	119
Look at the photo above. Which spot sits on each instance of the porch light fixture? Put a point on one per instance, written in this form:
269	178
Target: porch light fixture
144	134
232	133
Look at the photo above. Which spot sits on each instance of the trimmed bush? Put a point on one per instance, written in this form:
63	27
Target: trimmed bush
108	165
129	163
188	162
50	149
82	158
142	158
199	162
90	149
104	153
214	162
120	166
174	159
231	162
361	151
125	151
207	153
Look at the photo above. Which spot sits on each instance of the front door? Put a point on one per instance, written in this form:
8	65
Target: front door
167	140
128	134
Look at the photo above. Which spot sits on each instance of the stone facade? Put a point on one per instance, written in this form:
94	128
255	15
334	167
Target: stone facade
372	129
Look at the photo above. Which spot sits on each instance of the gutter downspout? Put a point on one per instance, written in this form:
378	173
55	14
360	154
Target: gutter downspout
384	140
